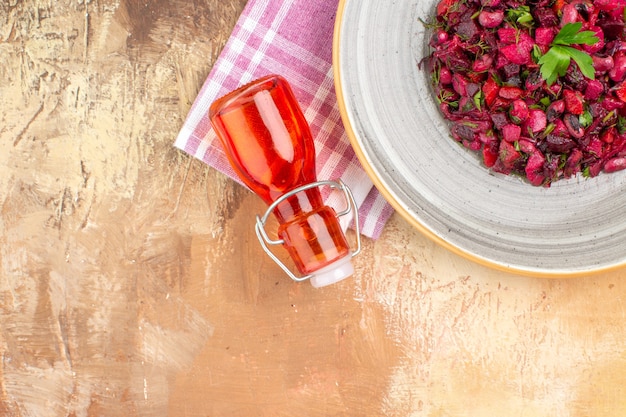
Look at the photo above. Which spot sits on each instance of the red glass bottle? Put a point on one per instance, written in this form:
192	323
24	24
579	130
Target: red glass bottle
269	145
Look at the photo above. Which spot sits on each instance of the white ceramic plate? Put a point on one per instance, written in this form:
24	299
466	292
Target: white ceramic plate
573	228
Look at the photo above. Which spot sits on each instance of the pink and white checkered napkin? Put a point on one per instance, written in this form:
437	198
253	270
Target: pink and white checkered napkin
292	38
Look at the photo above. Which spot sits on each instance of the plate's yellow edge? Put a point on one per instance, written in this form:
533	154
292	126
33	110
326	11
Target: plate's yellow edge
396	204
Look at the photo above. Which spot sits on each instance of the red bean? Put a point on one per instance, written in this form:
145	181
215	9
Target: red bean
510	93
618	72
536	121
490	19
602	64
615	164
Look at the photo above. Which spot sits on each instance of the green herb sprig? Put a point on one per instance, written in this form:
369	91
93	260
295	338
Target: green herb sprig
556	61
520	15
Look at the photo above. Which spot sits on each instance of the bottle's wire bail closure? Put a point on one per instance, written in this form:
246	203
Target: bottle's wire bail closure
265	240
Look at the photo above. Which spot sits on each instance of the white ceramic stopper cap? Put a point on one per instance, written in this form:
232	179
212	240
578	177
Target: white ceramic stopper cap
335	272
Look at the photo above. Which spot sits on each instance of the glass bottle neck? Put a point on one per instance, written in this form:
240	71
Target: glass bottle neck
298	205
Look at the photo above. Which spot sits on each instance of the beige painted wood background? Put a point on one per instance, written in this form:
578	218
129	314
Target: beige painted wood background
131	282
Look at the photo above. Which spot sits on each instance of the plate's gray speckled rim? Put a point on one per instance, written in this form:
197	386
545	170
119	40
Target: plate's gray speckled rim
573	228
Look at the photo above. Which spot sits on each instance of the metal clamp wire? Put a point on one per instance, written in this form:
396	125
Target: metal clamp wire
265	240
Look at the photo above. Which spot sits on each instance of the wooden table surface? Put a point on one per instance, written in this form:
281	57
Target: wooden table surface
131	282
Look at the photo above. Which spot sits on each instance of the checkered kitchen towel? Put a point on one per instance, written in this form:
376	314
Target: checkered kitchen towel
292	38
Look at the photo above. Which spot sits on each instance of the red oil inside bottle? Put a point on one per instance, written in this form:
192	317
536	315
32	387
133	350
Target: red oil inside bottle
269	144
